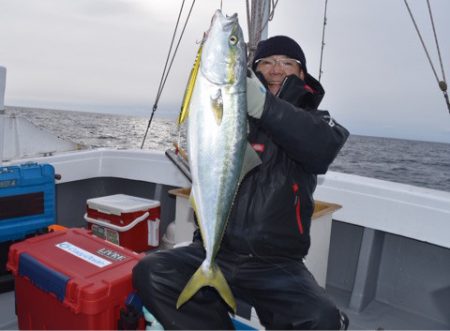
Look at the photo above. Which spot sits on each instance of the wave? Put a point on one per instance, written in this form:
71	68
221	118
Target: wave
425	164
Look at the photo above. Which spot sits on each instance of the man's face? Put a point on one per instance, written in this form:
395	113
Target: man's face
276	67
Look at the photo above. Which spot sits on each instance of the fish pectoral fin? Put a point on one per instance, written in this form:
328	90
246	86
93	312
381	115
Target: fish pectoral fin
251	160
217	105
213	278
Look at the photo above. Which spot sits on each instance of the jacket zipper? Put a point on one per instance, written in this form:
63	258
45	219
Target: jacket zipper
281	87
297	207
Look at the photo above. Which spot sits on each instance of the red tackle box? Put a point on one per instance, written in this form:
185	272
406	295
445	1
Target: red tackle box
125	220
71	279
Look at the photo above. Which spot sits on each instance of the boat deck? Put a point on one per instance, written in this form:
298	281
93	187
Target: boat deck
382	316
386	268
377	316
8	318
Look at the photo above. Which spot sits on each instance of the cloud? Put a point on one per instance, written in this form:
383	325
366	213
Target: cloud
110	54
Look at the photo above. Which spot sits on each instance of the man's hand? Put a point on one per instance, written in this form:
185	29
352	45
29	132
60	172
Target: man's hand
256	95
296	92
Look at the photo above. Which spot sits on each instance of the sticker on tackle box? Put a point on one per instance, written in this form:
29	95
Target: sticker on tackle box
106	233
83	254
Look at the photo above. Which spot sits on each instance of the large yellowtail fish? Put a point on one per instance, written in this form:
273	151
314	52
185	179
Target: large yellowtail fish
219	154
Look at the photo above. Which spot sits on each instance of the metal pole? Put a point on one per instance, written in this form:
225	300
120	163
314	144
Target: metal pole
258	29
265	19
2	109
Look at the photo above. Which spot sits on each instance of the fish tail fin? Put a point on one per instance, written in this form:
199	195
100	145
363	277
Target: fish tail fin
214	278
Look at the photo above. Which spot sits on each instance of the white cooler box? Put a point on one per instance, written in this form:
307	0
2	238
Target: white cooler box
125	220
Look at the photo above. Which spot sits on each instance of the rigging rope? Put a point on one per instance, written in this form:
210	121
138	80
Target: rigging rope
323	38
441	83
436	40
167	68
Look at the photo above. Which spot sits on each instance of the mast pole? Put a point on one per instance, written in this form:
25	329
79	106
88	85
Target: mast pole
265	20
2	110
258	29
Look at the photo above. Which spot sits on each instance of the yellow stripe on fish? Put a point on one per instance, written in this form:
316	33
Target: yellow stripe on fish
190	87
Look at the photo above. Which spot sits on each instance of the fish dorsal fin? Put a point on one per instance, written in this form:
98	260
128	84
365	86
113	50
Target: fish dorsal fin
190	87
251	160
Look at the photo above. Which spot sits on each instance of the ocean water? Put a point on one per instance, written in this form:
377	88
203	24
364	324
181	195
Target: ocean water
425	164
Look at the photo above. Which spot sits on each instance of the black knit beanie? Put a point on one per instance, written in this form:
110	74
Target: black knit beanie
279	45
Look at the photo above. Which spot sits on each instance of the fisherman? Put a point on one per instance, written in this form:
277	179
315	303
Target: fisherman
267	236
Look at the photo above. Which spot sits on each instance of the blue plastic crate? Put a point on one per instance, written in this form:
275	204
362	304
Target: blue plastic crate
27	199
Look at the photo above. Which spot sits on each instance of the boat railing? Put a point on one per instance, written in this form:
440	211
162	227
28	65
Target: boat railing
419	213
410	211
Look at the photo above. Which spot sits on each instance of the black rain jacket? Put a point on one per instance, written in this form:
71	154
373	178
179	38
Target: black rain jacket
271	215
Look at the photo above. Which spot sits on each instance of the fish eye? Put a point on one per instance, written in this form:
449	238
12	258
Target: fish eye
233	40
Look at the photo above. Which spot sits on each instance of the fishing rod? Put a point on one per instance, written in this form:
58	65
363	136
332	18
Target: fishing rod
167	66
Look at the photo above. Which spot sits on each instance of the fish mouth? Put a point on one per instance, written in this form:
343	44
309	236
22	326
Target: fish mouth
223	20
218	15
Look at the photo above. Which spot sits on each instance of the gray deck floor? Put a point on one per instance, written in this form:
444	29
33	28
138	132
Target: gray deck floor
377	316
8	319
380	316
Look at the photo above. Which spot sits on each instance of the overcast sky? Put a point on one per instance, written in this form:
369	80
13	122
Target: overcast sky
108	56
